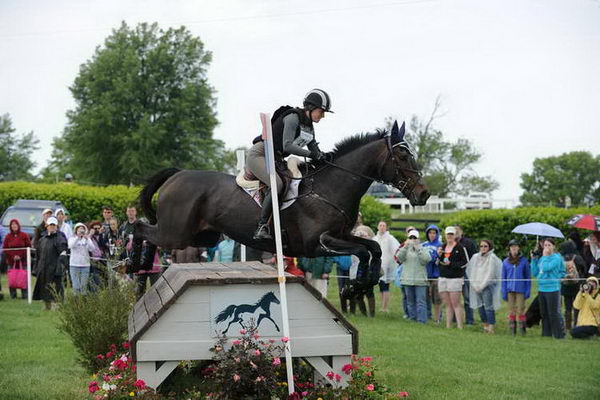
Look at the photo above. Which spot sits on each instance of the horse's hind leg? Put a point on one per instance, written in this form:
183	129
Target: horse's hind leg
143	231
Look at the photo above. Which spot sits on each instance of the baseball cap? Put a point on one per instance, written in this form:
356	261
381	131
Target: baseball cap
413	233
47	210
52	221
451	230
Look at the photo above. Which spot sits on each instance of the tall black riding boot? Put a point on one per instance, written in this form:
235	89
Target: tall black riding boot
262	231
371	302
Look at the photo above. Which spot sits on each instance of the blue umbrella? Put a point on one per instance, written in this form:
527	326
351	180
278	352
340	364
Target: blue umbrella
538	229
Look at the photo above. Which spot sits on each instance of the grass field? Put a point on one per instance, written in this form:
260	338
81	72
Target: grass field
430	362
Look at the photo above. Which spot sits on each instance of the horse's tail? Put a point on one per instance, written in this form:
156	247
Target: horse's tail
225	314
154	183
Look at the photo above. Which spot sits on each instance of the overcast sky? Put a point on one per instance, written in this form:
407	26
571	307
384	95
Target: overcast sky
520	78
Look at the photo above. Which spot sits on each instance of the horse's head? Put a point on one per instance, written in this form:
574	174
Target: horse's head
271	298
401	169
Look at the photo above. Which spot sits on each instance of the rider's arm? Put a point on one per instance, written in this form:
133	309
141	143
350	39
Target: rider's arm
290	142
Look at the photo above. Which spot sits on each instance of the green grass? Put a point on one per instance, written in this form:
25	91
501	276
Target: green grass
430	362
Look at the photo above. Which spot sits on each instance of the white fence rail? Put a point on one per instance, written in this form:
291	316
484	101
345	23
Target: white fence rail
440	205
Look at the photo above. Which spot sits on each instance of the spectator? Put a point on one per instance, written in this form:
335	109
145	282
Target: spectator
366	291
16	239
433	273
588	304
40	230
111	237
107	215
389	245
143	276
224	251
317	271
81	247
414	258
516	286
399	275
127	227
591	254
360	227
452	259
575	269
343	264
98	262
549	269
471	249
290	266
50	265
484	270
63	226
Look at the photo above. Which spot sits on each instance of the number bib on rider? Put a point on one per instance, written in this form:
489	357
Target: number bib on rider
304	138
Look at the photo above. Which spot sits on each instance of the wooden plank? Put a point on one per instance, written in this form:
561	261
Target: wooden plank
195	295
180	330
187	312
152	376
164	291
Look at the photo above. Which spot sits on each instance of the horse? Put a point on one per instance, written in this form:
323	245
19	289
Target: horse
195	207
236	310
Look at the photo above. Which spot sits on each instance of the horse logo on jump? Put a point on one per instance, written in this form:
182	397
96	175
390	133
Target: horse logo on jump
238	310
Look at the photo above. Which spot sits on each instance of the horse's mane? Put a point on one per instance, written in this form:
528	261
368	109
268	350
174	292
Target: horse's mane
353	142
264	296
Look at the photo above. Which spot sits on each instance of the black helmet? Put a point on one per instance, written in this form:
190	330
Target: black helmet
513	242
317	98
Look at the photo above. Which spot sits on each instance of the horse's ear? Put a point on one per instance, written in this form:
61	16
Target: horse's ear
402	131
397	133
394	132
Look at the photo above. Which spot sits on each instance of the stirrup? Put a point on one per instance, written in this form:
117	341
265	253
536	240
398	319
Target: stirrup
262	232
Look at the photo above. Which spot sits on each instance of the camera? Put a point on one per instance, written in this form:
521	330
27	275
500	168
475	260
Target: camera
537	252
586	287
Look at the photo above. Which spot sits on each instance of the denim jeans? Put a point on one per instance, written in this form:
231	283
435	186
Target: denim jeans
416	299
486	311
79	278
468	311
404	301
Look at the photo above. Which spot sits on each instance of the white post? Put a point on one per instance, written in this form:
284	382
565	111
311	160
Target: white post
29	289
269	153
241	163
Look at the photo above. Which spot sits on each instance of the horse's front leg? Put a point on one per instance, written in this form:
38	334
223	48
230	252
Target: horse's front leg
375	249
335	245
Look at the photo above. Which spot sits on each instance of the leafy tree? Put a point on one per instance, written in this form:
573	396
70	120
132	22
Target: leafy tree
143	103
15	152
553	179
447	165
374	211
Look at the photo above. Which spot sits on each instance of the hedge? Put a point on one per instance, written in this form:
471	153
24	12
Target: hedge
84	203
496	225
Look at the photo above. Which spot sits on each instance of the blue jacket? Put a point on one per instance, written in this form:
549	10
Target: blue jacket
549	270
520	271
433	271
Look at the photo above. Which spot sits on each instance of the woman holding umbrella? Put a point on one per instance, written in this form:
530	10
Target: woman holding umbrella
549	269
591	247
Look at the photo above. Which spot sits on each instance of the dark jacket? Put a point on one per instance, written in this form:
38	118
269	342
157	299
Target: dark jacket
570	285
590	261
458	262
51	264
469	245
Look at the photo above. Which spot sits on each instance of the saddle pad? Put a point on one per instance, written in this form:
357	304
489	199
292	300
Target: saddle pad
289	196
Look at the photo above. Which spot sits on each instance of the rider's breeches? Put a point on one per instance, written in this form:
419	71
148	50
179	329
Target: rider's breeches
257	165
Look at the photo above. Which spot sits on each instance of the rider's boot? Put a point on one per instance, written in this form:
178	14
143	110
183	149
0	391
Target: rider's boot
371	303
262	231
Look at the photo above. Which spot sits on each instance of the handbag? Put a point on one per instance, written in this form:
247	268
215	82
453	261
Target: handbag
17	277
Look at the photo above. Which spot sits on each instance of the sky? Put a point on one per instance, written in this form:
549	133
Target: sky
519	78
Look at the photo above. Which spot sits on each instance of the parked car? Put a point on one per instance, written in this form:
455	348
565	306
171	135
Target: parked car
381	190
29	213
478	201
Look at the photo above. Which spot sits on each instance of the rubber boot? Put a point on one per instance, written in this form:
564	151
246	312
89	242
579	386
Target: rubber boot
568	320
512	325
522	324
371	302
343	303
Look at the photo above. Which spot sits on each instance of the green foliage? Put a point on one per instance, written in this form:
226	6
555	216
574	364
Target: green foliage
143	103
15	152
553	179
496	225
374	211
83	202
447	165
96	320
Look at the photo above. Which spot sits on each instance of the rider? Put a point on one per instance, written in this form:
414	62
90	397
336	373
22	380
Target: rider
292	131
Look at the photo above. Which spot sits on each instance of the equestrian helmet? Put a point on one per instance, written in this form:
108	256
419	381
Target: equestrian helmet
317	98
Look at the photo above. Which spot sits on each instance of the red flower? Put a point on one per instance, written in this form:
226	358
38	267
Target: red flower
403	394
93	387
106	378
347	369
338	378
125	345
370	387
140	384
330	375
100	356
366	359
113	347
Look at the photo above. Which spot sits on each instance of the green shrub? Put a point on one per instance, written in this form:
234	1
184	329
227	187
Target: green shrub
496	225
83	202
374	211
97	320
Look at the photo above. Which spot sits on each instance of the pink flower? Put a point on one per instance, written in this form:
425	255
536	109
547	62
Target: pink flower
276	361
140	384
285	339
105	378
236	342
256	336
257	352
236	377
368	373
330	375
237	359
242	331
93	387
347	369
304	394
370	387
366	359
271	341
338	378
403	394
253	365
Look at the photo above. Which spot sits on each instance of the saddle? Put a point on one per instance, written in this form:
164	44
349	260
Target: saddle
256	189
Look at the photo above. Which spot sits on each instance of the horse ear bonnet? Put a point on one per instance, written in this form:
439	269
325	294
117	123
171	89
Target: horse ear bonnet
397	135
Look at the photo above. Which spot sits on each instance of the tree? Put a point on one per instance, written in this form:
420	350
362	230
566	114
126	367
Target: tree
447	166
554	179
143	102
15	152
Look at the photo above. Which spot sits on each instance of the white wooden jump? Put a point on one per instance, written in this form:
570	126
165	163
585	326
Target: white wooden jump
176	319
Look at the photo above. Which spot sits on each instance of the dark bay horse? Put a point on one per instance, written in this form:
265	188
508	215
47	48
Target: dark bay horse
195	207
